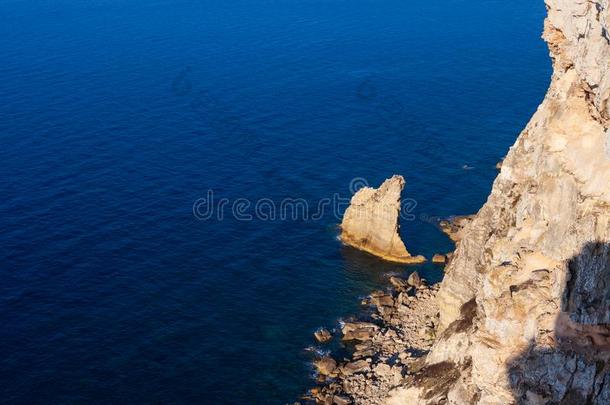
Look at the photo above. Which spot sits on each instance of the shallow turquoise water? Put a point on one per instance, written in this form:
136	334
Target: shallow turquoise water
117	116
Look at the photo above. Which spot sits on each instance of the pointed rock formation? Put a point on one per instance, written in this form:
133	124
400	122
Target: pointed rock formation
371	222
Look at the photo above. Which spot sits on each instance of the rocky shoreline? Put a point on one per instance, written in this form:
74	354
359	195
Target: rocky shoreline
387	342
387	346
522	315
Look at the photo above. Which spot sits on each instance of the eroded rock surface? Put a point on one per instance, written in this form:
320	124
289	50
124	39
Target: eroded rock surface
371	222
525	303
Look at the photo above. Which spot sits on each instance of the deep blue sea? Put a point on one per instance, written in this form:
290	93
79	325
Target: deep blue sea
118	116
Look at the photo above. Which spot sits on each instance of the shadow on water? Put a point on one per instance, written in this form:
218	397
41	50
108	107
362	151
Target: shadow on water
575	367
364	264
360	262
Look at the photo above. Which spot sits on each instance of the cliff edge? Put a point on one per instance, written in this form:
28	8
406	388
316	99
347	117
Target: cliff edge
525	303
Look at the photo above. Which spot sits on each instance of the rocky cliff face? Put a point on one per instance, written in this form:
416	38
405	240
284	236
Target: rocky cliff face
525	304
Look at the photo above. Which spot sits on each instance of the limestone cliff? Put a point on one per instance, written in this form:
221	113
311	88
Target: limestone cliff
371	224
525	304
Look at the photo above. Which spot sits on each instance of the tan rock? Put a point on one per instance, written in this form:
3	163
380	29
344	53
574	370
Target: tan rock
366	377
382	369
357	366
399	283
454	226
439	259
371	223
341	400
384	300
359	330
322	335
415	280
325	365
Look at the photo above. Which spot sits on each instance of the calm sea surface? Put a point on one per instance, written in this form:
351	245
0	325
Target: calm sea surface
116	116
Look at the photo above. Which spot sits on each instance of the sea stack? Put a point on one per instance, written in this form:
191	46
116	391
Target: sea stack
371	223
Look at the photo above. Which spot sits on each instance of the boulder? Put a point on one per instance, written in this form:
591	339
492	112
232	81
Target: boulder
382	370
399	283
354	367
325	365
384	300
359	331
322	335
415	280
341	400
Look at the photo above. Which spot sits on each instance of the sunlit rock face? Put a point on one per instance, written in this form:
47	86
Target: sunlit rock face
371	223
525	303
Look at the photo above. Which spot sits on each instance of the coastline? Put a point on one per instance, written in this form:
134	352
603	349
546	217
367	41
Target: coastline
387	341
388	350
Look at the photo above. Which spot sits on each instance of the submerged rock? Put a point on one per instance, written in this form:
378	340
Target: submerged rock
371	222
